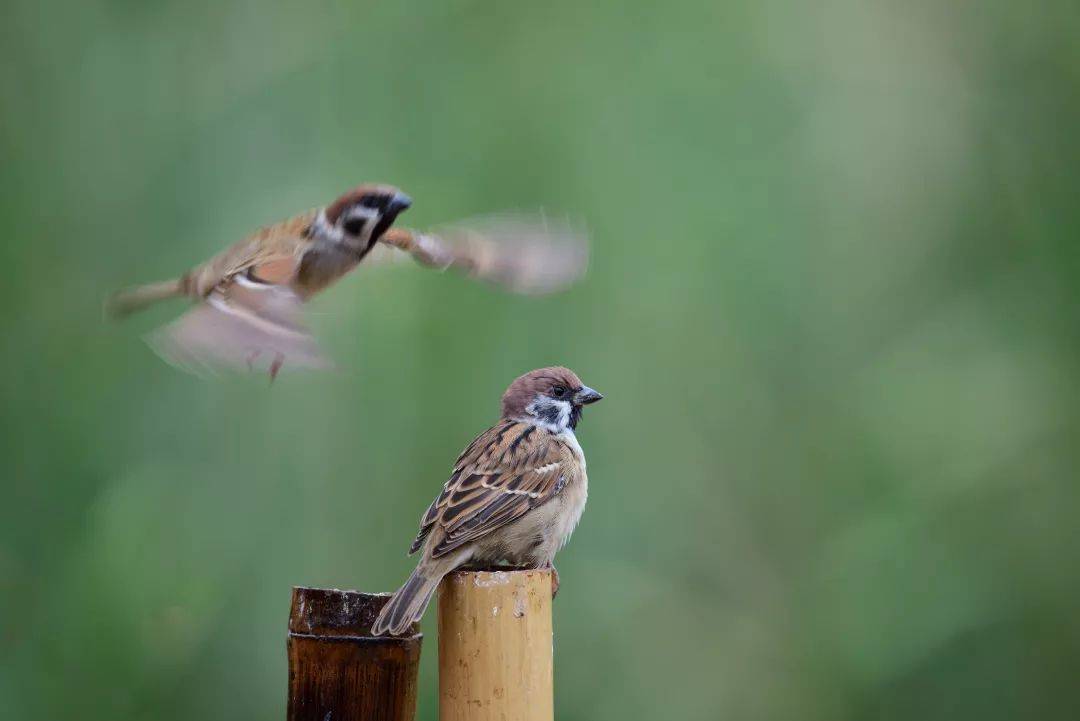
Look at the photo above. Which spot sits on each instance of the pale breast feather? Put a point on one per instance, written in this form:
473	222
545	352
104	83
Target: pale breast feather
570	438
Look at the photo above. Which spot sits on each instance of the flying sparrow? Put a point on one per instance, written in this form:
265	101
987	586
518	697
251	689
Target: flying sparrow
249	295
515	495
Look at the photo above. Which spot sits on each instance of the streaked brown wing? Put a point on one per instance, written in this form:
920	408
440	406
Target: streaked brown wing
509	469
529	255
276	249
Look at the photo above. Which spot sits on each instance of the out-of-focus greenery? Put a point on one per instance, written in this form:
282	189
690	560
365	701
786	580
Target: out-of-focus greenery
832	303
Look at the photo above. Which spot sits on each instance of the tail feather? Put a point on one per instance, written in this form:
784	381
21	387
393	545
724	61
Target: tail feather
408	604
125	302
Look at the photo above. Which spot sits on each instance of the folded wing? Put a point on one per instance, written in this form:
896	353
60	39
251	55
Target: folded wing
508	470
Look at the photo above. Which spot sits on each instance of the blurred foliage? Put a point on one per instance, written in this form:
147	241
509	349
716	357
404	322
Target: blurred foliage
832	305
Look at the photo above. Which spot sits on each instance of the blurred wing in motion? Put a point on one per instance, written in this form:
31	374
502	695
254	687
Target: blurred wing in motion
529	255
243	325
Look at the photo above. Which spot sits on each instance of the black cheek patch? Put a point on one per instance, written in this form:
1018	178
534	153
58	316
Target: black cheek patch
549	414
354	226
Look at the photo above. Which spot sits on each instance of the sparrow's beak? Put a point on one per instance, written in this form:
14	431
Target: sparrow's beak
586	395
398	203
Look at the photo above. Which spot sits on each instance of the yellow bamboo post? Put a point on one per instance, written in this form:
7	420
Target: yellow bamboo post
495	646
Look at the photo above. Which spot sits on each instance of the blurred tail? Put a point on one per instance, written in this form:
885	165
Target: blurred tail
409	603
125	302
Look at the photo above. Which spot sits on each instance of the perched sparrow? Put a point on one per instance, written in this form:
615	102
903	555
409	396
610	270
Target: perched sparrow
515	495
250	294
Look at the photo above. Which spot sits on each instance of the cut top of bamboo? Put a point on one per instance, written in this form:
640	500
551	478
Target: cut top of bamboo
338	670
332	612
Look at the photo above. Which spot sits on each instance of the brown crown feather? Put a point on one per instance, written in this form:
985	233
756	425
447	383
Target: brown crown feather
525	388
335	209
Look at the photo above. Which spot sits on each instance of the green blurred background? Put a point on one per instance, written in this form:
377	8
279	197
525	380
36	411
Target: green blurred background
832	304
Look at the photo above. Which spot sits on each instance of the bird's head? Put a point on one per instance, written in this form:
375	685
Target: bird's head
364	213
552	397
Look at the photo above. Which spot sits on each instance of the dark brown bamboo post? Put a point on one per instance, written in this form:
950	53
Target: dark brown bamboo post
495	646
337	670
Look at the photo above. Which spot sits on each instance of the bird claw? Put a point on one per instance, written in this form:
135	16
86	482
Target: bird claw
554	580
279	360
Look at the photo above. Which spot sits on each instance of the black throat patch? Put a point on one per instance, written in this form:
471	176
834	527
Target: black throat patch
381	227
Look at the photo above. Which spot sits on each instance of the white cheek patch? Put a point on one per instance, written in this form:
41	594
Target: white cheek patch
324	229
359	211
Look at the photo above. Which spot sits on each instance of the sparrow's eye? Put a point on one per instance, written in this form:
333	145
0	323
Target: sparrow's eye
558	391
354	226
